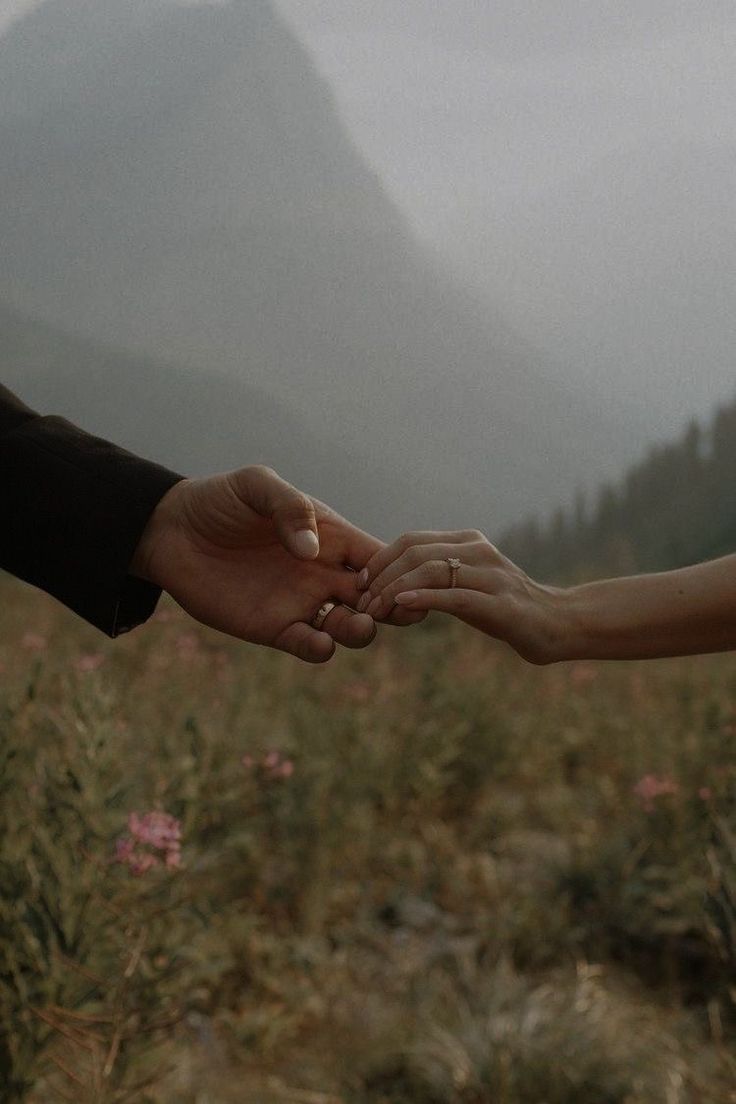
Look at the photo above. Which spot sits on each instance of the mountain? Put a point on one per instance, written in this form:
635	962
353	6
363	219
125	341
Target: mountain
192	422
633	270
177	183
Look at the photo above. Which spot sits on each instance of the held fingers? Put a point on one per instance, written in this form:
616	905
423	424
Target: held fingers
433	574
381	560
470	606
468	545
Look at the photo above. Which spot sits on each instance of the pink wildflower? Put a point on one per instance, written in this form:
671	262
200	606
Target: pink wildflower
705	793
582	674
160	830
34	642
276	766
156	830
187	645
358	691
90	662
272	765
123	849
650	787
142	862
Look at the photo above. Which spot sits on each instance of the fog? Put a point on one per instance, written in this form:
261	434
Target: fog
481	253
575	160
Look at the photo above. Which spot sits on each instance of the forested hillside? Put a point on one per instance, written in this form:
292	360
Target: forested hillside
676	506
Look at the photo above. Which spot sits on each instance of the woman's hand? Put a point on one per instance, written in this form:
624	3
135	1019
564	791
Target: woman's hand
491	593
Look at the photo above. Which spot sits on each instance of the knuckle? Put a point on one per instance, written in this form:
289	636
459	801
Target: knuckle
461	602
414	555
299	504
494	580
260	471
490	553
428	571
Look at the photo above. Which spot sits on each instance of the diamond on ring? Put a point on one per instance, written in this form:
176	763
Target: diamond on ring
454	565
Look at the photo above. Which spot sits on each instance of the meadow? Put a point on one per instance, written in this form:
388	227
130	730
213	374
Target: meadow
427	873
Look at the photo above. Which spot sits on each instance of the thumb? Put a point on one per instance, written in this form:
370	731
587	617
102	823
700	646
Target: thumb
291	511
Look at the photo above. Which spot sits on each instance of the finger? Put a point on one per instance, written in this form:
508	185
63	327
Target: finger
341	584
357	545
402	618
352	630
306	643
434	574
291	511
385	556
408	561
468	605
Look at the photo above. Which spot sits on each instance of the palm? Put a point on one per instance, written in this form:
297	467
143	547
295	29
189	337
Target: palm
226	566
259	592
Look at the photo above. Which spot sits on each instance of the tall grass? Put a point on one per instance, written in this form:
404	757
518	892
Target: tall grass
425	873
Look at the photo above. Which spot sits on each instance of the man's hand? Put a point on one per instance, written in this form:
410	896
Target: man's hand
248	554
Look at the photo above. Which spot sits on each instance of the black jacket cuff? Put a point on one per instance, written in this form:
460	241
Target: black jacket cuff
74	508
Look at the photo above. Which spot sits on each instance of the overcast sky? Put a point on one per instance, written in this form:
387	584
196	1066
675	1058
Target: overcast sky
528	141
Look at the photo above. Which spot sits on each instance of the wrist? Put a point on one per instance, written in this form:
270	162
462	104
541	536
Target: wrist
146	562
560	633
593	626
572	623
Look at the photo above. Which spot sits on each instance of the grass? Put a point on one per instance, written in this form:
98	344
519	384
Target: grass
457	895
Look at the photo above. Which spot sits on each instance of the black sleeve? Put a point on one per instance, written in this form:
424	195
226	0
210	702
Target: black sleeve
72	510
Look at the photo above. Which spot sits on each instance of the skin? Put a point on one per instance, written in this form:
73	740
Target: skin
248	554
685	612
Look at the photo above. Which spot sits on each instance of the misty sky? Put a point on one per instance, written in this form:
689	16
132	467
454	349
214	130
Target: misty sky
572	158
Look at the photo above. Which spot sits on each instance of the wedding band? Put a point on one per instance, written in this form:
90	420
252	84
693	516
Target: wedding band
454	565
322	614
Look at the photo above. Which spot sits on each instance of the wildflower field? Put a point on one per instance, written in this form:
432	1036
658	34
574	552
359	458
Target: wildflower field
426	873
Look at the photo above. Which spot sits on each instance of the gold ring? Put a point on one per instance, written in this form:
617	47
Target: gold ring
454	565
322	614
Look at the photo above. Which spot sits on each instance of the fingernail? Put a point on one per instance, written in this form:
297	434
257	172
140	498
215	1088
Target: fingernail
362	582
374	607
306	544
406	598
363	602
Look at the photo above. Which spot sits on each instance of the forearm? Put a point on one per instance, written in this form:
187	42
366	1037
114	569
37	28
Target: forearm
73	508
685	612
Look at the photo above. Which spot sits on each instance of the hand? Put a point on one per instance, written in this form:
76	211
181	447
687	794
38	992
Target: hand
492	594
246	553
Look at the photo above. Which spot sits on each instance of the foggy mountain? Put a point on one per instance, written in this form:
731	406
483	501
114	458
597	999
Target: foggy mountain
633	271
174	416
177	183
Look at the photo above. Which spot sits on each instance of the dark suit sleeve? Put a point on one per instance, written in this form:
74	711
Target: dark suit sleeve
72	510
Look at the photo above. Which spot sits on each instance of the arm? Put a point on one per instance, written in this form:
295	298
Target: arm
684	612
73	509
243	551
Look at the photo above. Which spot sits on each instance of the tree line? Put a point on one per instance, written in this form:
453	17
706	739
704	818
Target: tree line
674	507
